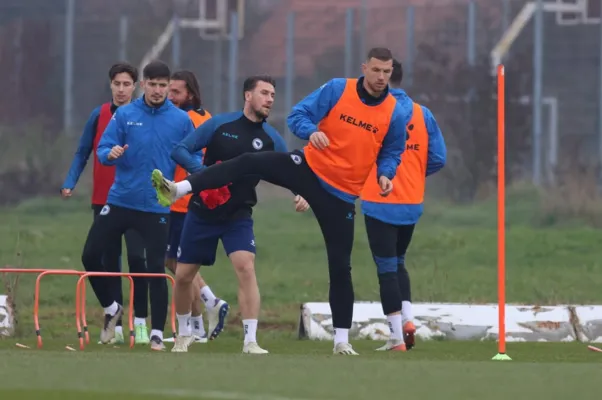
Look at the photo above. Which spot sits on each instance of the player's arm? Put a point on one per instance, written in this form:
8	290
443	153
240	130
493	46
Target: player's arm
437	152
188	153
189	131
84	149
394	143
279	143
114	135
305	115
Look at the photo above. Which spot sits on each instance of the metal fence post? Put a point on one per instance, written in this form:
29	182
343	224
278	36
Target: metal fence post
68	84
290	72
410	46
348	42
233	67
537	91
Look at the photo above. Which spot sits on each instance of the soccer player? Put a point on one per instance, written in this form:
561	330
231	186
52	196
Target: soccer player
122	80
185	93
225	213
390	220
138	139
351	124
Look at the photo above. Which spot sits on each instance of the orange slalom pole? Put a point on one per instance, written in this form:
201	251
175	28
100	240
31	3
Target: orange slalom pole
501	212
36	301
80	300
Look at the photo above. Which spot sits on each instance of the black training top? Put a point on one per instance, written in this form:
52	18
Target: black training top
224	137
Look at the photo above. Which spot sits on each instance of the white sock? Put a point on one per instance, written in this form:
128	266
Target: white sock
139	321
197	325
119	330
406	311
341	335
208	297
183	324
112	309
158	333
183	188
250	327
394	322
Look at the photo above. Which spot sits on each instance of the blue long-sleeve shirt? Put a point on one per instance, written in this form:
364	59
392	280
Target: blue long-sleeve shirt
307	114
84	149
150	133
408	214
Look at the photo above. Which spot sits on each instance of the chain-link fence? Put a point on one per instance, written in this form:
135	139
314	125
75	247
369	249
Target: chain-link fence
56	54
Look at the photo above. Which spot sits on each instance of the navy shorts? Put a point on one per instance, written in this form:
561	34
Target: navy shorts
176	224
200	238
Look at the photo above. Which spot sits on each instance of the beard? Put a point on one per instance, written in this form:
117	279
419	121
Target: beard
260	114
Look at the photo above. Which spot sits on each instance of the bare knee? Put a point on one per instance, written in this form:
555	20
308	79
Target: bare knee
185	273
244	264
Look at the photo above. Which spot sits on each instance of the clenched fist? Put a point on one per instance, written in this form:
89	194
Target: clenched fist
116	152
386	186
301	205
319	140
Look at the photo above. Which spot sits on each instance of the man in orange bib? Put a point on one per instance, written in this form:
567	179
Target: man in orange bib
351	124
390	220
185	93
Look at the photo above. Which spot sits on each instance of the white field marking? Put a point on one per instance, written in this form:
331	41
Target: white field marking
183	393
217	394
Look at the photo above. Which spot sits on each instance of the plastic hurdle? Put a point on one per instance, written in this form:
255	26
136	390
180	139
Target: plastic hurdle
42	272
80	302
36	302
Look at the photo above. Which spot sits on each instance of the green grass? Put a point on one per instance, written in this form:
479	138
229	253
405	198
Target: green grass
301	370
452	258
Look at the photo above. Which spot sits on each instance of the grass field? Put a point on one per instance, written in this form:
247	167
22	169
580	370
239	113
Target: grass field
452	258
301	370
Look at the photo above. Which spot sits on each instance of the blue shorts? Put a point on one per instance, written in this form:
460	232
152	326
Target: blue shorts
176	223
198	244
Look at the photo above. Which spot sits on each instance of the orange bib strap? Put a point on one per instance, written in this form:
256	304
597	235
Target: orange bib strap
181	205
410	179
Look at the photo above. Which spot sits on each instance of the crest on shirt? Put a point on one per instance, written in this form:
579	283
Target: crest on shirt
257	144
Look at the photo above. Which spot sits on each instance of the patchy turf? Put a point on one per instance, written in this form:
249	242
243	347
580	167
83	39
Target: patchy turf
452	258
300	370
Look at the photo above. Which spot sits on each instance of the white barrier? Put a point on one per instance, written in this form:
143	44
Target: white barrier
524	323
6	318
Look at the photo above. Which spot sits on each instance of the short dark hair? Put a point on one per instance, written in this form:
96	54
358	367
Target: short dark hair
123	67
156	70
397	74
192	85
251	83
380	53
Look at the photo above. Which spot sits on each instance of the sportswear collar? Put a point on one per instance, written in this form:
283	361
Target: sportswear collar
254	123
366	97
162	107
